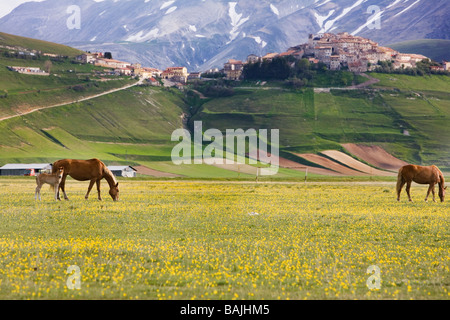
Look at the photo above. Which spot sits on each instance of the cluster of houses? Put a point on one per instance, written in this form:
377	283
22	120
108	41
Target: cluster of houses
337	51
357	53
444	67
27	52
173	74
118	67
29	70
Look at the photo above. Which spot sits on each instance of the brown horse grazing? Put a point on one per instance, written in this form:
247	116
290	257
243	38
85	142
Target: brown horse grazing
83	170
422	175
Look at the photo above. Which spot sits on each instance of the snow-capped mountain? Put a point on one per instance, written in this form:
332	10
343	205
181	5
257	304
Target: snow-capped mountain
204	33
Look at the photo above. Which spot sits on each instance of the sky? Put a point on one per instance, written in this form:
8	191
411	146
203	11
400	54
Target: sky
6	6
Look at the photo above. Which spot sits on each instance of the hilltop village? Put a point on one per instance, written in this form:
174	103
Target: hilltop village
341	51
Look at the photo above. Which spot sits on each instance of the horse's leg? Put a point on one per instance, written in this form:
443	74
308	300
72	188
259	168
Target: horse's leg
432	190
399	189
408	188
428	192
56	186
98	190
62	186
37	192
91	184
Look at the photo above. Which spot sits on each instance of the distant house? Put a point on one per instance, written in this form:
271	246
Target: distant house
194	75
253	58
21	169
437	68
358	66
313	60
111	63
123	171
29	70
175	74
446	65
123	71
270	56
335	64
147	73
86	58
323	53
233	69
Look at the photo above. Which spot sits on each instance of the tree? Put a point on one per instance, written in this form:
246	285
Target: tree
108	55
48	66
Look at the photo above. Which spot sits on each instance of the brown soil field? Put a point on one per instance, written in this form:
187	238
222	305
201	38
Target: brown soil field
285	163
376	156
355	164
154	173
330	164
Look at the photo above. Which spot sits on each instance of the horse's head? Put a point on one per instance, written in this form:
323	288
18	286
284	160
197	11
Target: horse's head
60	172
114	192
442	193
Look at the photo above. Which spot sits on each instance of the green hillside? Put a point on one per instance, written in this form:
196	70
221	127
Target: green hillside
40	45
435	49
406	115
135	126
68	81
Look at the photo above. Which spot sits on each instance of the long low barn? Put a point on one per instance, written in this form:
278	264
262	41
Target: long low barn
123	171
27	169
24	169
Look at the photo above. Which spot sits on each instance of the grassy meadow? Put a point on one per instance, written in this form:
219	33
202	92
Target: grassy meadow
223	240
436	49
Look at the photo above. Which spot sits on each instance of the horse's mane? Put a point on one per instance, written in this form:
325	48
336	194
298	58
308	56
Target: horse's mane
441	183
109	176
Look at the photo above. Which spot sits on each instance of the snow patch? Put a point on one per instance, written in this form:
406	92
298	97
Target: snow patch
236	20
329	24
393	4
259	41
321	4
403	11
171	9
320	19
140	37
166	5
193	28
274	9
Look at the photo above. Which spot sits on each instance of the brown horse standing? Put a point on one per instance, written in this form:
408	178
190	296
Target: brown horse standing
53	180
422	175
83	170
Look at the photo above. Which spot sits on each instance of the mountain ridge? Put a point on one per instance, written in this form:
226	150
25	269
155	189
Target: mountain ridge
203	34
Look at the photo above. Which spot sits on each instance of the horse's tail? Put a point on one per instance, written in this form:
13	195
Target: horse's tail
399	179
